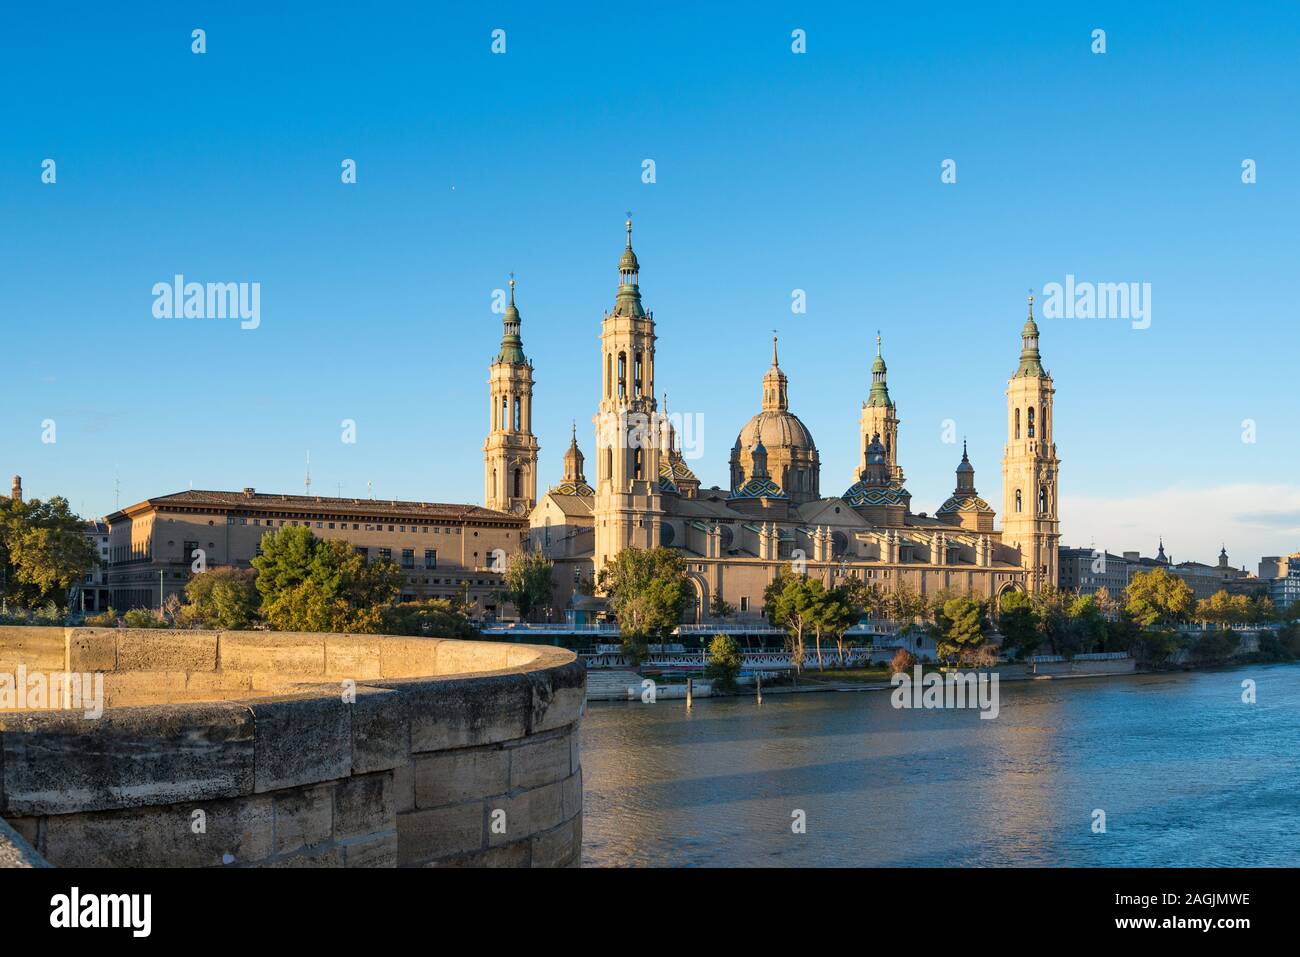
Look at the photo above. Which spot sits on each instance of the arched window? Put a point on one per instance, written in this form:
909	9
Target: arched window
1029	428
636	466
1017	423
637	372
622	375
519	483
496	488
1043	423
608	466
1018	500
504	415
517	419
609	375
1042	500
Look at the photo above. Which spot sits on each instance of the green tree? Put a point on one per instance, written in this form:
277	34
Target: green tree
1086	631
794	603
841	611
724	662
527	583
221	598
44	551
647	591
313	584
1157	598
963	628
1018	623
436	617
720	608
1051	607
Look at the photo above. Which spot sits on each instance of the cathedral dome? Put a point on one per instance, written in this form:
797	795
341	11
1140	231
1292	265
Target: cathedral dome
776	429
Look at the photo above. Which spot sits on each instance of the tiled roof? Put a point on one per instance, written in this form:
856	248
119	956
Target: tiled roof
259	501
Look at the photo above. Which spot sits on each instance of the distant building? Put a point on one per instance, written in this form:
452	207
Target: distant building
1281	573
92	594
153	544
1085	570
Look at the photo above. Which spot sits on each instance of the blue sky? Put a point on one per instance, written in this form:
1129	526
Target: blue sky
775	171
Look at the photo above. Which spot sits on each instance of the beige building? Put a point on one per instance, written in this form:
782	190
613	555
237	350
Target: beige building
735	540
153	545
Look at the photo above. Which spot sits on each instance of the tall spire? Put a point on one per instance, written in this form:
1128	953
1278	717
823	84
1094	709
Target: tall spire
879	386
628	302
1030	361
512	346
775	398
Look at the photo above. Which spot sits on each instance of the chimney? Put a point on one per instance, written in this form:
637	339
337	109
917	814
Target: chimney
16	489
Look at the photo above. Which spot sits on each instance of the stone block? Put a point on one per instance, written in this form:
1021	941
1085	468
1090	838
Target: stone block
353	656
526	813
438	833
304	817
160	649
235	831
471	657
37	647
281	653
59	762
92	649
381	730
404	787
557	847
404	657
538	762
518	854
559	696
463	712
313	857
364	805
463	775
301	740
378	851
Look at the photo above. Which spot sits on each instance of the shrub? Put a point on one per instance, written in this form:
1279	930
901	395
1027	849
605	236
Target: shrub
724	663
903	662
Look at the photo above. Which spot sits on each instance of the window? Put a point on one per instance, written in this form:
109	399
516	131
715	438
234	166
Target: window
1042	500
386	554
1029	428
408	557
744	603
519	484
517	416
1018	501
1017	432
430	558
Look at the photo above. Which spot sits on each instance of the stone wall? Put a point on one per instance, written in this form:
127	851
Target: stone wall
276	749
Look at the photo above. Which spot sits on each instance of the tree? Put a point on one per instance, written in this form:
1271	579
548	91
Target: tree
313	584
436	617
903	604
528	583
1018	623
724	662
221	598
1158	598
963	628
719	608
842	611
793	603
647	591
1086	630
1050	605
44	551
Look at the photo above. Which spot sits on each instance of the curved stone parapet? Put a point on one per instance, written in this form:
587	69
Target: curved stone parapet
290	749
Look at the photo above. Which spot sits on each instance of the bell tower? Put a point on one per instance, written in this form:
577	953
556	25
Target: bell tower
510	452
879	417
628	508
1030	468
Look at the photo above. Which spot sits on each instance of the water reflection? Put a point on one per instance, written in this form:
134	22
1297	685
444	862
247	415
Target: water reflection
1186	773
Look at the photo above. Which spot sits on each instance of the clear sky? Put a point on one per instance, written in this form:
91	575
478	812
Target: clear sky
775	171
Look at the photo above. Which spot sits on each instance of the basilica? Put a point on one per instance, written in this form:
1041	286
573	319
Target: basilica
773	511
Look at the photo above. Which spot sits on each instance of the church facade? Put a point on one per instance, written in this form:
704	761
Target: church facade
773	511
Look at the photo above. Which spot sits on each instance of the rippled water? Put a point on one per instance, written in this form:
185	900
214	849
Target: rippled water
1186	773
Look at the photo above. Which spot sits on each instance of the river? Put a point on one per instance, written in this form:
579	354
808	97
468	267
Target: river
1186	773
